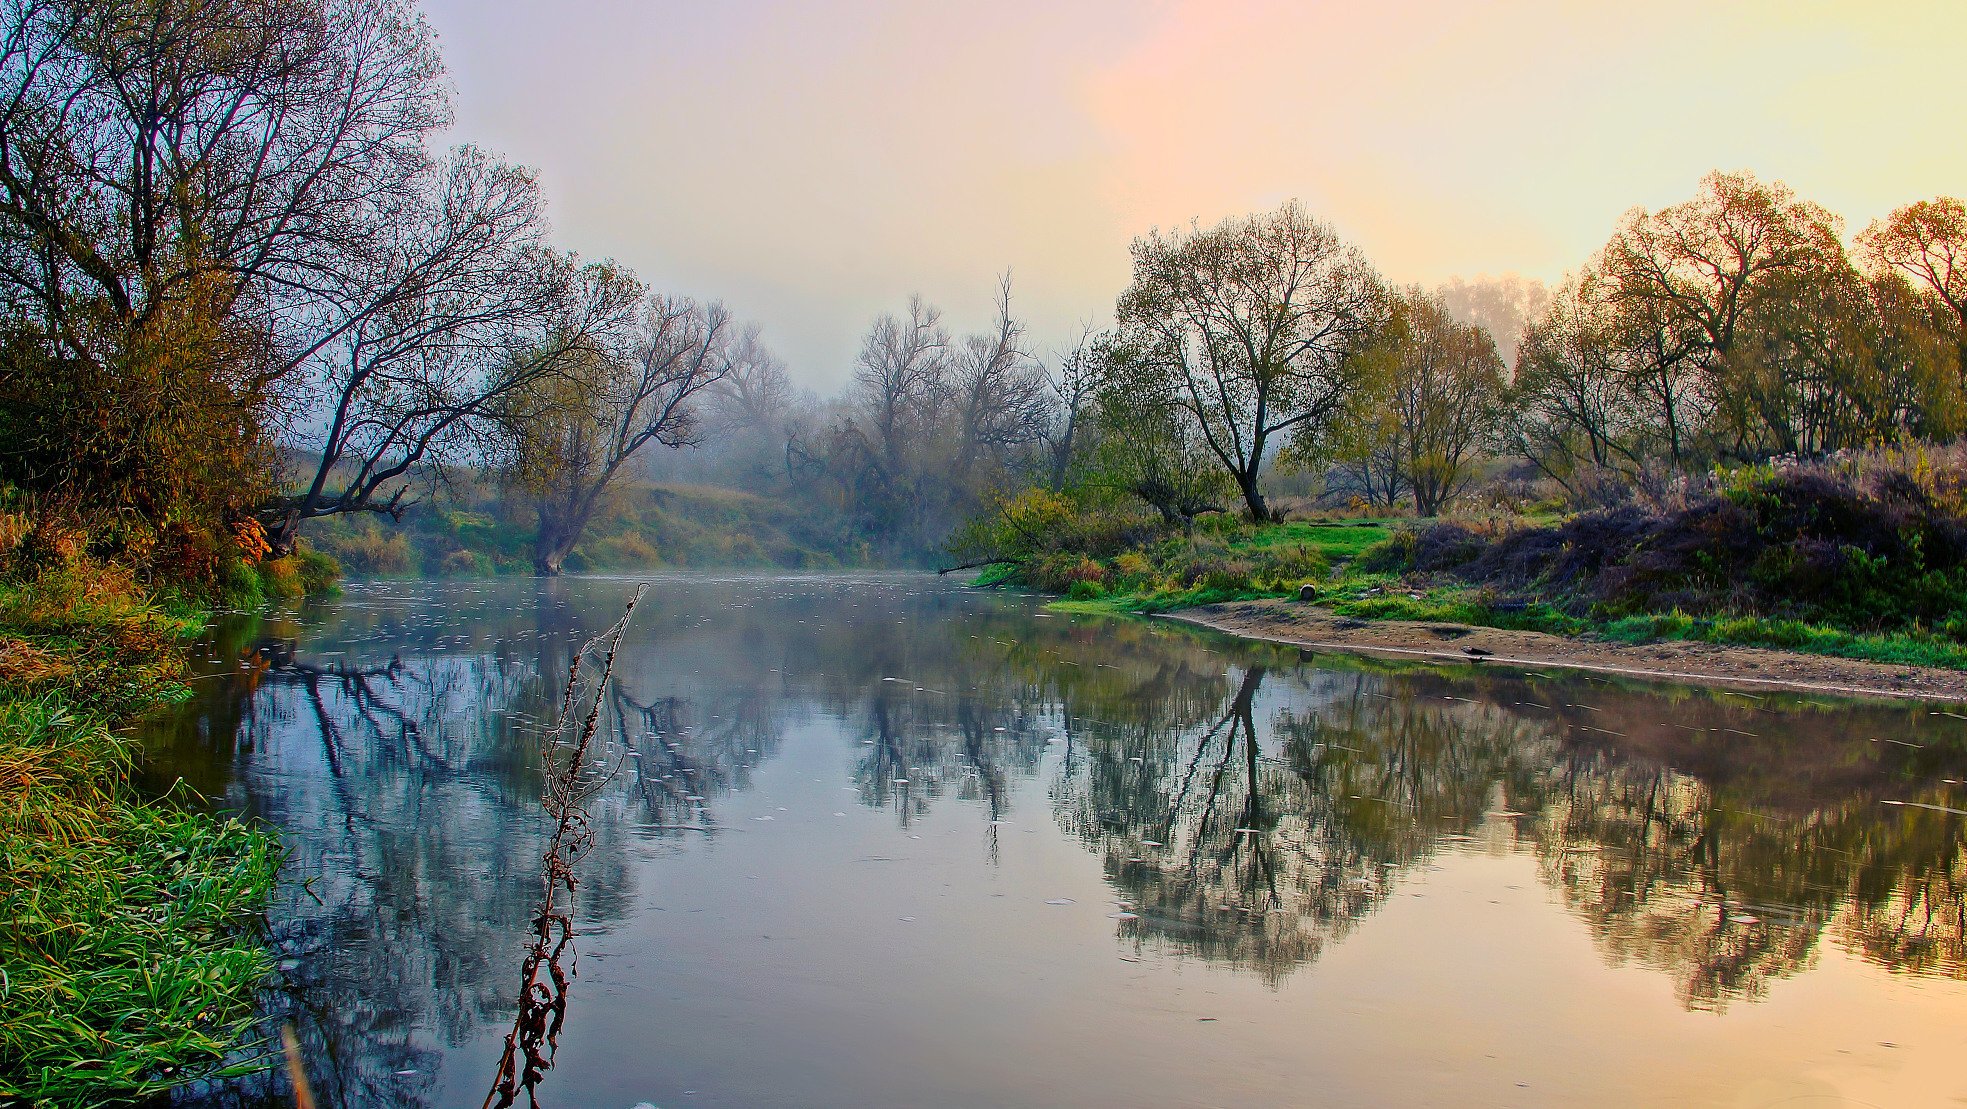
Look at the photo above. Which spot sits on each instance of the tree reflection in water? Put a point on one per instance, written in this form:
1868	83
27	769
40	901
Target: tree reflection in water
1249	805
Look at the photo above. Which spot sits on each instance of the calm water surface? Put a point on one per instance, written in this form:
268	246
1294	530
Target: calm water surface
882	841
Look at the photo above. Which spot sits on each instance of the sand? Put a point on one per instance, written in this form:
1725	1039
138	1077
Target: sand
1304	625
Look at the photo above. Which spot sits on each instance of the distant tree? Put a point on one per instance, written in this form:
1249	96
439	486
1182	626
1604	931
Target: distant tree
1424	408
1504	306
901	377
574	429
1253	326
1000	392
1073	380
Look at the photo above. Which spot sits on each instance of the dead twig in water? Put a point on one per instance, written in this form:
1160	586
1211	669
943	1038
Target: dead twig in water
569	782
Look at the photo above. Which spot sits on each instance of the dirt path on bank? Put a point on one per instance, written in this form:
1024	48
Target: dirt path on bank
1705	663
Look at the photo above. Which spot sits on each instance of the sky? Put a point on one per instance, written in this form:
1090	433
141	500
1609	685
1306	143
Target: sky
812	164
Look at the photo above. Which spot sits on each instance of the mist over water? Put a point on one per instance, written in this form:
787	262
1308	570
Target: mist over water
879	840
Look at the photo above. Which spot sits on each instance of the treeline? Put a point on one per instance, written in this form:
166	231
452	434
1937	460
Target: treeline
1734	328
244	290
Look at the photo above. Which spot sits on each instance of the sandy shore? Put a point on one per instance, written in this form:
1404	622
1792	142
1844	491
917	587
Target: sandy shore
1705	663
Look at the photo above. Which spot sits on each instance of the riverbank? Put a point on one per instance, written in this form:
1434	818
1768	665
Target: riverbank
1312	628
130	949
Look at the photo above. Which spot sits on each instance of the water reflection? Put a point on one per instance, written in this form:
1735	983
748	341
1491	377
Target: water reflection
1249	805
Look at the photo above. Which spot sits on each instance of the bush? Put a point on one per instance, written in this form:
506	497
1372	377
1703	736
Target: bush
1877	544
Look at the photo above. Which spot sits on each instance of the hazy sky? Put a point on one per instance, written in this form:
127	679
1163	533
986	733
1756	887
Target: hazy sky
813	163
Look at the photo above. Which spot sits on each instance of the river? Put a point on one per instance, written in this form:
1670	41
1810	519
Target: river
880	840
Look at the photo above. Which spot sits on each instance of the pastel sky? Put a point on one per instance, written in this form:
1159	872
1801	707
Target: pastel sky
812	164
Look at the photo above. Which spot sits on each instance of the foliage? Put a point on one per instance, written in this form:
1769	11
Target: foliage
644	525
1050	542
1421	414
573	431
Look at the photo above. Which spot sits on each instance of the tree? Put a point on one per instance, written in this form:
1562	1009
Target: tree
1571	412
182	186
474	308
1425	405
1505	306
1147	447
900	377
1682	282
575	428
1000	392
1927	242
1253	324
1074	383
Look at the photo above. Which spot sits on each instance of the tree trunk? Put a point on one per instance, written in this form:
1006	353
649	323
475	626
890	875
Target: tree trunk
1253	497
552	545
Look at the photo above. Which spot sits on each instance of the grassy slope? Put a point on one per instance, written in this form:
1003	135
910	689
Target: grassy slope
1370	596
129	953
644	525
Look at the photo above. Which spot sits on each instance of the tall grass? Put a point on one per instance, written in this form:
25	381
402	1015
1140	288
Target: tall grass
128	956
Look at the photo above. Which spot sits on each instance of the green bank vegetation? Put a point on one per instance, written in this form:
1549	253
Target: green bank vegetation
131	954
1862	558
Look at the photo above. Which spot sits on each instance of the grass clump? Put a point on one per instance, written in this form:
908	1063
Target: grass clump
129	951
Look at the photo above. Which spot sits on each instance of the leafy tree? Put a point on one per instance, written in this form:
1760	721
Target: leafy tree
1424	408
1682	284
184	187
1927	242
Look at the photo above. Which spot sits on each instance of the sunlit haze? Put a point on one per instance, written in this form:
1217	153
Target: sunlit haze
814	164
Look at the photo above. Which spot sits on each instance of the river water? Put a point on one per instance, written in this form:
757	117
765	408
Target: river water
883	841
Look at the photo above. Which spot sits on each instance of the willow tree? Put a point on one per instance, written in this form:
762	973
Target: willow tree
1254	325
572	431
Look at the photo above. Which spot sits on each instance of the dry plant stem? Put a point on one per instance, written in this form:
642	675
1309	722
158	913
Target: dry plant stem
530	1046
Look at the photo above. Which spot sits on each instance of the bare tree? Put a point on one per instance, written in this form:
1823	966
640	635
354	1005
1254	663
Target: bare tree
901	374
1254	323
576	428
1000	392
1074	384
480	309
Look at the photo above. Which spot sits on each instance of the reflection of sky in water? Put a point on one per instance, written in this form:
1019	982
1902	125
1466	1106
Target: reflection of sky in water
878	840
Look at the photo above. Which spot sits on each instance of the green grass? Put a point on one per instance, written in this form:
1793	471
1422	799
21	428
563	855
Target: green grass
1337	542
1896	648
130	955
